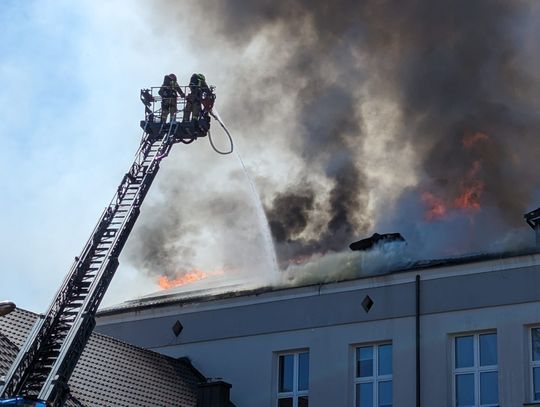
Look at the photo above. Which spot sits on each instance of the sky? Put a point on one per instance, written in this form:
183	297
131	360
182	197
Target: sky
70	75
418	119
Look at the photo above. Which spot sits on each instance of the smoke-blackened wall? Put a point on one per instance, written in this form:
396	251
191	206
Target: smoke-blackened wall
311	86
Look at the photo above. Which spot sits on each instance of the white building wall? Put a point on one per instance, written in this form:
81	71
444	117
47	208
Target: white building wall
249	362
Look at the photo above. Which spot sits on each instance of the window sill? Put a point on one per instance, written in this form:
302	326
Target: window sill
533	404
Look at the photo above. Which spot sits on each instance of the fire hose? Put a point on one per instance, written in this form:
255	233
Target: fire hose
214	113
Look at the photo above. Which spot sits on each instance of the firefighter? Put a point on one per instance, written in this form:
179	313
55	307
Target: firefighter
169	93
198	90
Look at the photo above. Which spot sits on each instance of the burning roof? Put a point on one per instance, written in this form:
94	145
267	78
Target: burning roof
185	296
415	116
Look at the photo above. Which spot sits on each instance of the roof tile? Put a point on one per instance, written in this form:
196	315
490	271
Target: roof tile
110	372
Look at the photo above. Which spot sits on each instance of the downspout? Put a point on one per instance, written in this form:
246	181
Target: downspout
417	287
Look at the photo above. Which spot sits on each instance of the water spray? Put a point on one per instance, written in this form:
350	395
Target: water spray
263	220
256	197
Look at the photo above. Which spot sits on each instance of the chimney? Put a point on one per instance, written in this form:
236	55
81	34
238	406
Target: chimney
533	219
370	242
214	393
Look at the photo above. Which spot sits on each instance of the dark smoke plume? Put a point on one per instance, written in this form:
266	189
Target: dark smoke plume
159	245
452	69
289	215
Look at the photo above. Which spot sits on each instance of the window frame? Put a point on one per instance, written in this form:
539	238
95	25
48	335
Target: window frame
376	378
476	369
532	363
296	393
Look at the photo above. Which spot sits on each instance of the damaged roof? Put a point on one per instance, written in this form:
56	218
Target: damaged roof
110	372
171	296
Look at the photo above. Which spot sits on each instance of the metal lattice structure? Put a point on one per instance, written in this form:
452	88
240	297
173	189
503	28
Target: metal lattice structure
45	362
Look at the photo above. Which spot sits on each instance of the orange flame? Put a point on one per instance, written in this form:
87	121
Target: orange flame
187	278
472	189
471	186
469	140
436	207
470	197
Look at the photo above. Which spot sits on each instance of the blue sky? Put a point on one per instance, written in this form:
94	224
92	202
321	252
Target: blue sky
70	73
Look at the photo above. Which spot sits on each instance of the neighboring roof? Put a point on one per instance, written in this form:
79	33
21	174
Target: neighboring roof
8	352
173	297
17	325
110	372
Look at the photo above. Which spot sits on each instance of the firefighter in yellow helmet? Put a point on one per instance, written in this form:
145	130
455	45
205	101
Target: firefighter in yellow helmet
198	89
169	93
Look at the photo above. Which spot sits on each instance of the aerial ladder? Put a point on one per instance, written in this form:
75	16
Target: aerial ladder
41	371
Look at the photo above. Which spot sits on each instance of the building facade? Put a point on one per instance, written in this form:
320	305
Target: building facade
460	332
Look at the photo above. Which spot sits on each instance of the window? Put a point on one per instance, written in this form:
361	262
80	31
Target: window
373	376
535	363
475	370
293	379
